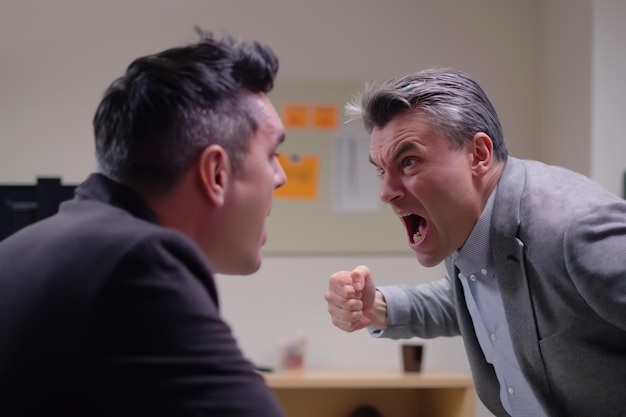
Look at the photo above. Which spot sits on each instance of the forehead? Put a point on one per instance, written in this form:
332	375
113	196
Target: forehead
270	126
263	109
414	128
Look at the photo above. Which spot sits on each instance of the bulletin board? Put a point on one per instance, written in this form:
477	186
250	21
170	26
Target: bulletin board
307	220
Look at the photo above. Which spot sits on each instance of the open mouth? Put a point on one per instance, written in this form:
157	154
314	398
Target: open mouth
414	225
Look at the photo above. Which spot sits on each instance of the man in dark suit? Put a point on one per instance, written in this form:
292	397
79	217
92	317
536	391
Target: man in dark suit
109	308
536	271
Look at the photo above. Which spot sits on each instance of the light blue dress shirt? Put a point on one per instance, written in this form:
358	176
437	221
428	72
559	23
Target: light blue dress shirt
484	302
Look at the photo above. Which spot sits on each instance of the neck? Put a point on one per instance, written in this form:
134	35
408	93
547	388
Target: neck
179	208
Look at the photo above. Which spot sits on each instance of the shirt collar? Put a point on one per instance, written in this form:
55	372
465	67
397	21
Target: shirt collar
475	251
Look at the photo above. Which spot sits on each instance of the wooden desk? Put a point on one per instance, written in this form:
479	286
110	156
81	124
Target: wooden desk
336	393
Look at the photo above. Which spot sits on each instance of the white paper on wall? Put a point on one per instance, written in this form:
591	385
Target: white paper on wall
355	186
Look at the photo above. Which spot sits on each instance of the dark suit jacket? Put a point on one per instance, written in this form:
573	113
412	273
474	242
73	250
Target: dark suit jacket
105	313
559	245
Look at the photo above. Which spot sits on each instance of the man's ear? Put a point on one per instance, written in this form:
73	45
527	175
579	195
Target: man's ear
214	170
482	153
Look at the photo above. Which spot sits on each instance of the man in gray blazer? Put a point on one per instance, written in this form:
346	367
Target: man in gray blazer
535	254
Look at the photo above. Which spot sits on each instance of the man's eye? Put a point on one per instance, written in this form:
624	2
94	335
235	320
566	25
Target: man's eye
380	172
410	162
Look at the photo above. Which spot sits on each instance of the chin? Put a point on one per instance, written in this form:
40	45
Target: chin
253	268
241	265
427	261
250	265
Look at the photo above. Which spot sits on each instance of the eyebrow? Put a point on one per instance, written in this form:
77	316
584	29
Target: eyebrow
406	146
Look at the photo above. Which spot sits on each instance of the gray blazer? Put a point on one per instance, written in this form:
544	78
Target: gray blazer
559	244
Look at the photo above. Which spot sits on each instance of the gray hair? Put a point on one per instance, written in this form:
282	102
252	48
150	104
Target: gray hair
455	104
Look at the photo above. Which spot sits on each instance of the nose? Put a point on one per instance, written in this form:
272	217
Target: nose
280	178
391	189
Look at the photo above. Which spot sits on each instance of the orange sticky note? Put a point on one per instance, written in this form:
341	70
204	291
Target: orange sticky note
325	116
302	177
295	116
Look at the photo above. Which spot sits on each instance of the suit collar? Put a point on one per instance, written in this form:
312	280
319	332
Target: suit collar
101	188
506	212
511	269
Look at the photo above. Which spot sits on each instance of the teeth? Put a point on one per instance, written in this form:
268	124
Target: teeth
417	237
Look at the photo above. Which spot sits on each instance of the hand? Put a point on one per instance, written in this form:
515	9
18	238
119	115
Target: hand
350	297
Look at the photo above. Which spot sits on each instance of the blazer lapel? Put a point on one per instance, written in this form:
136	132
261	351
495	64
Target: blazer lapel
508	251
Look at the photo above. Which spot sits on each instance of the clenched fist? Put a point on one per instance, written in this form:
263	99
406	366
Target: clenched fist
353	302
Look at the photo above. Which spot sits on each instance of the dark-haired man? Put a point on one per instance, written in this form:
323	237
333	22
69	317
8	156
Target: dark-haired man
110	308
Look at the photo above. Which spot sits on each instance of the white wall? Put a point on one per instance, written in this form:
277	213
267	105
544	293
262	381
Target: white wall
565	88
583	62
534	58
608	149
59	56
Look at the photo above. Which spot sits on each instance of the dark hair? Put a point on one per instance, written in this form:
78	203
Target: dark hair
454	103
154	120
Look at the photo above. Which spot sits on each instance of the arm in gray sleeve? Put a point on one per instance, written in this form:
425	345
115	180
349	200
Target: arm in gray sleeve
425	311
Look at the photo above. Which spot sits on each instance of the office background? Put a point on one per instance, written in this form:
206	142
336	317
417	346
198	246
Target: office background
553	69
